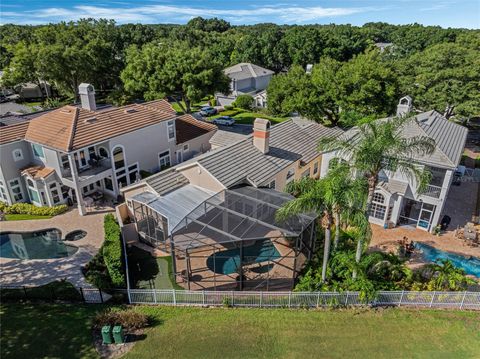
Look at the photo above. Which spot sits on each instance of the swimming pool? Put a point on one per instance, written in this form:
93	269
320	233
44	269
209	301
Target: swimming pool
227	262
471	265
44	244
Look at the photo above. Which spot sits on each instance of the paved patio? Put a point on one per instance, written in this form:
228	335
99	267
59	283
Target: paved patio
43	271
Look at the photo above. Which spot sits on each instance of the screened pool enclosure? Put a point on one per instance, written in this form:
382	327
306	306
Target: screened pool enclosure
230	240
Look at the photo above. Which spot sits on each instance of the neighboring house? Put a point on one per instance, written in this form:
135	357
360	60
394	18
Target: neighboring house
223	138
222	204
396	200
34	91
71	153
246	79
382	46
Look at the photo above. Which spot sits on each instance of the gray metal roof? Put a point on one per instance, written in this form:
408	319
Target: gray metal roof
243	162
246	70
449	138
166	181
175	205
393	186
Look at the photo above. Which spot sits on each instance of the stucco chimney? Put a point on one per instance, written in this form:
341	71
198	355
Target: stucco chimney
87	96
261	134
405	105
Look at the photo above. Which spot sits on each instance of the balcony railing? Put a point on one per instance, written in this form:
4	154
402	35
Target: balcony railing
91	171
432	191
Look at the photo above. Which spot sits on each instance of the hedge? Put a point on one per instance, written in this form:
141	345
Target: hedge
27	208
244	101
112	251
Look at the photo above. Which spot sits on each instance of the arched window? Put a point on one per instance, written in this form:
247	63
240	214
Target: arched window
378	198
118	158
103	152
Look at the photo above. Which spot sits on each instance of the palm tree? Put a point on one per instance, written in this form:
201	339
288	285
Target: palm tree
377	146
310	197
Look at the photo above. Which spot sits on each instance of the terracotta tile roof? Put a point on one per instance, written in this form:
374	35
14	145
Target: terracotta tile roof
38	172
70	128
13	133
187	128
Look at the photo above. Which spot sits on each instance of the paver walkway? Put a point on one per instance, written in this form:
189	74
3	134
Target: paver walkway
43	271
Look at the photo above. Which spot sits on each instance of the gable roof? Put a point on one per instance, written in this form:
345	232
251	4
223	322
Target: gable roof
38	172
70	128
449	137
188	128
242	161
166	181
245	70
13	133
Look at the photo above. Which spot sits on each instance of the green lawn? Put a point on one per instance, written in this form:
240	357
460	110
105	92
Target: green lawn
24	217
148	272
63	331
247	118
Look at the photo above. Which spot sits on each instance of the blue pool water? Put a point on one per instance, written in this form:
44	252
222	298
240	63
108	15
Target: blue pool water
471	265
226	262
44	244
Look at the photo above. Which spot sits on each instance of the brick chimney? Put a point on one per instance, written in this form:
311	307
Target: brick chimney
87	96
261	134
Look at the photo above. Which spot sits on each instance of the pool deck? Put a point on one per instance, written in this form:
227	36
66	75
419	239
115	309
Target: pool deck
43	271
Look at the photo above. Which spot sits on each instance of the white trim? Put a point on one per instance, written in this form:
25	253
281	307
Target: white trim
168	129
15	159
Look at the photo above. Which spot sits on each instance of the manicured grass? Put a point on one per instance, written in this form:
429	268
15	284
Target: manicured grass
247	118
148	272
24	217
47	331
63	331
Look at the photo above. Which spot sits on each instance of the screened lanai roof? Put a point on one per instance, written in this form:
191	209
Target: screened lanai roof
175	205
241	214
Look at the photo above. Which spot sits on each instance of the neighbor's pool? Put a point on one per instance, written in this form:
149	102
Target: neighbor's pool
471	265
44	244
226	262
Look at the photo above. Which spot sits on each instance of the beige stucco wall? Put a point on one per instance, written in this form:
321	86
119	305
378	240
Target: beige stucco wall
281	177
199	176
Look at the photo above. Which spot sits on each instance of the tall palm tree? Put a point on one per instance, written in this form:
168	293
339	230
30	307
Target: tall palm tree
310	197
377	146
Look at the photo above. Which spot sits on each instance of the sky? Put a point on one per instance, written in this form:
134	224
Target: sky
445	13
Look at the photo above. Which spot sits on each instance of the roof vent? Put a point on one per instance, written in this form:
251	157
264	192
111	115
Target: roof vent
66	110
130	110
90	120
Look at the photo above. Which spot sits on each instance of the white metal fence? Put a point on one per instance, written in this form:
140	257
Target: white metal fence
458	300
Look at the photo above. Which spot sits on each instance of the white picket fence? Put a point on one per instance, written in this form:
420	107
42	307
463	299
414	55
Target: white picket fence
457	300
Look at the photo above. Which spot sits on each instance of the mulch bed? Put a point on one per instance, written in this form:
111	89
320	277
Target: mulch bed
111	351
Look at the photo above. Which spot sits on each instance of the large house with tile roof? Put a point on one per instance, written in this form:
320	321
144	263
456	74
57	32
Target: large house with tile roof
396	200
75	152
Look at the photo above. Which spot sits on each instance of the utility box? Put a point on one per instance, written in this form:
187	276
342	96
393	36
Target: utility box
118	334
107	334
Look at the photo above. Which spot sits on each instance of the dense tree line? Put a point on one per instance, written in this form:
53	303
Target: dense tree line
351	78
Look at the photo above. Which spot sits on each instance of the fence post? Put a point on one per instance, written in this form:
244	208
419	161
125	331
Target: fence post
203	297
318	299
433	297
155	295
261	299
174	297
233	300
463	299
81	293
101	295
346	299
290	299
401	298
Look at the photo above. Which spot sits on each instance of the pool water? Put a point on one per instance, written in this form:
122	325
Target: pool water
471	265
227	262
44	244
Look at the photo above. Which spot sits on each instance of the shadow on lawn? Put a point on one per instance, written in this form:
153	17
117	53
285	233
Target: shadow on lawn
143	267
37	331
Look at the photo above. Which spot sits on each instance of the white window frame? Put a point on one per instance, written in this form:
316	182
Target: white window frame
272	184
290	175
3	192
13	187
315	168
19	151
171	125
162	157
34	145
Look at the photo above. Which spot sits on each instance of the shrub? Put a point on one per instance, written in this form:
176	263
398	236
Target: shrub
244	101
27	208
228	107
96	272
129	319
112	250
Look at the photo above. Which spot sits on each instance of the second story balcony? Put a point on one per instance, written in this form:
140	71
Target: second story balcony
100	169
433	191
